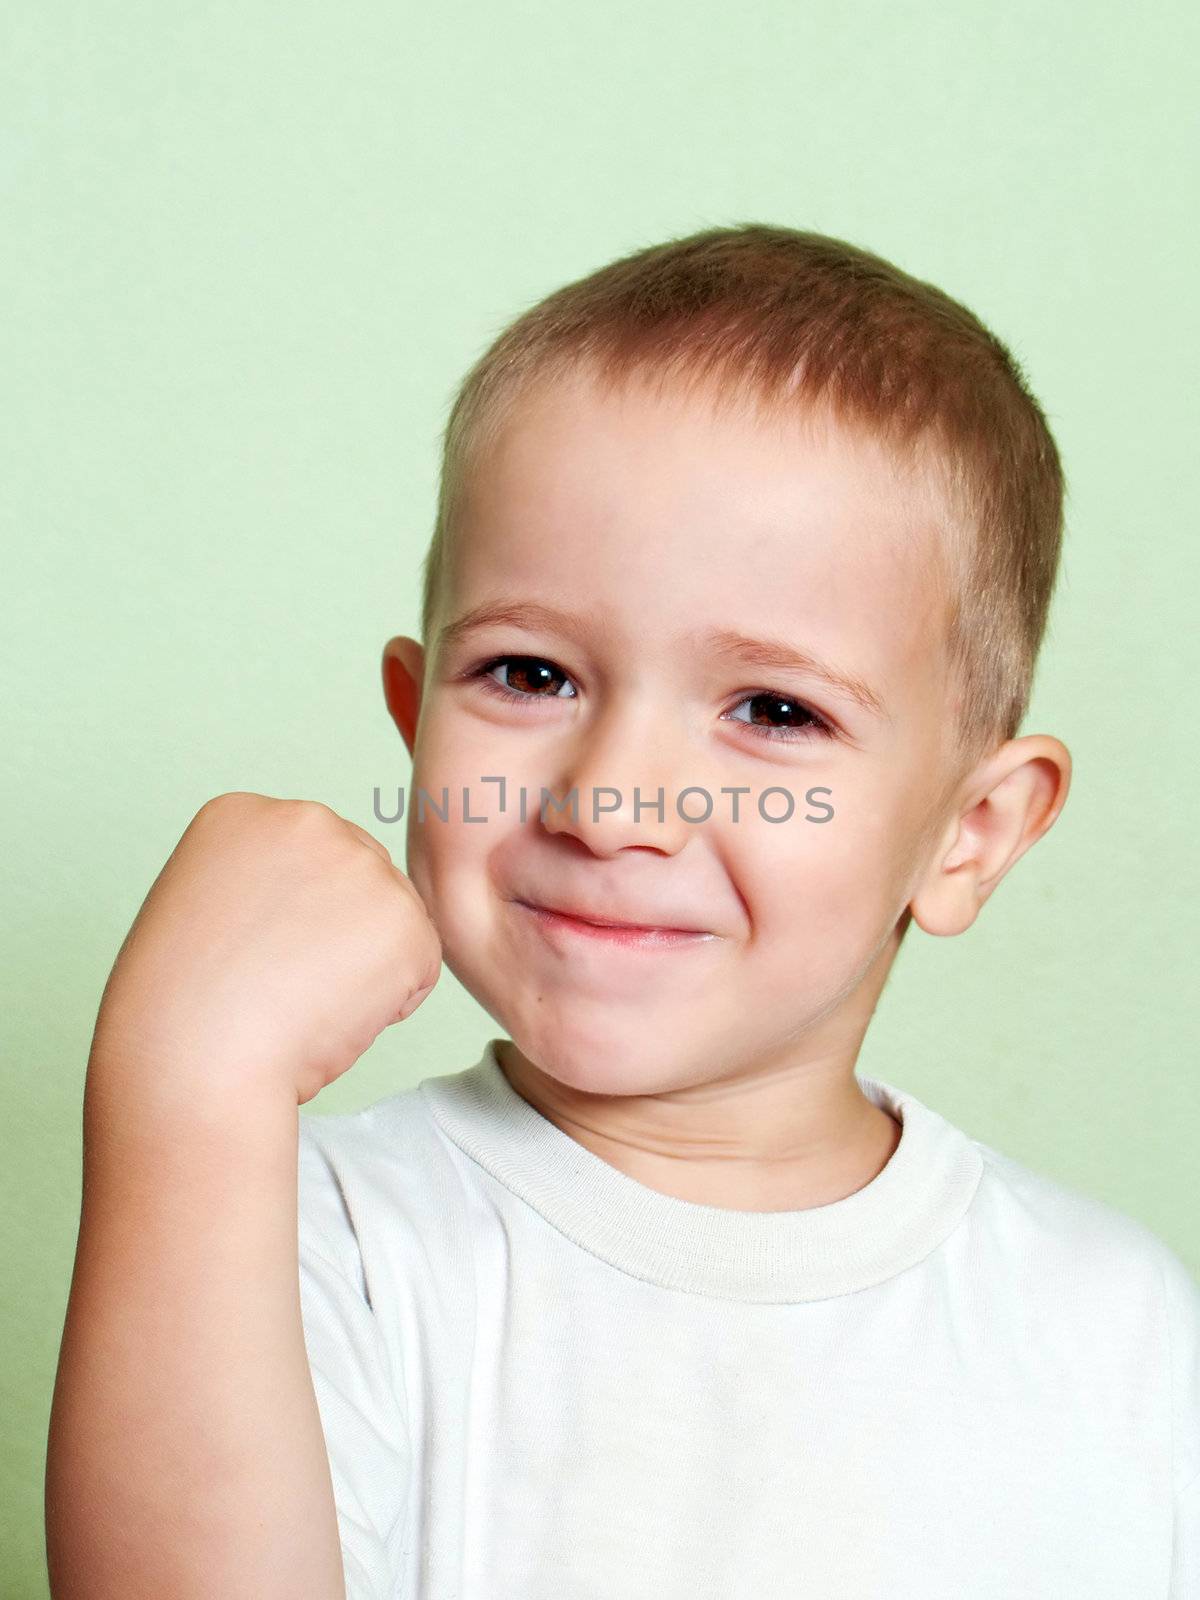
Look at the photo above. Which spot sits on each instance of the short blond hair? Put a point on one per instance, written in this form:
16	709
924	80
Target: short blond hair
799	320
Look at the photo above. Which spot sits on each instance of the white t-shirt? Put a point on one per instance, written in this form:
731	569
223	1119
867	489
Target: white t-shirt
540	1379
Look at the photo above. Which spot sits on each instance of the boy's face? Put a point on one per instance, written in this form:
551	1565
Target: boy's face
646	523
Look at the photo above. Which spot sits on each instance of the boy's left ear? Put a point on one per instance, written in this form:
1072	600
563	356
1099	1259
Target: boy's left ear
403	681
1007	804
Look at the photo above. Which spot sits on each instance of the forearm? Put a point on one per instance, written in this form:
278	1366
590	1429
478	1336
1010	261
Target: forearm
186	1457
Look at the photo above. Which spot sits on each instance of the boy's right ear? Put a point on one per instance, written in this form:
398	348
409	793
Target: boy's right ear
403	680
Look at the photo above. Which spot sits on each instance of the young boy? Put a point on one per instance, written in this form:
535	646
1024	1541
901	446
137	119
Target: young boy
657	1298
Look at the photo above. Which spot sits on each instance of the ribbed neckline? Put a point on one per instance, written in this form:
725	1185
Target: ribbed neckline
896	1220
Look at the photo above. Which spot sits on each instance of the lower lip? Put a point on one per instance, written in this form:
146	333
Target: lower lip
630	938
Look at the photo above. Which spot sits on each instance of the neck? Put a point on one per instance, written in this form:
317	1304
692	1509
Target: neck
781	1139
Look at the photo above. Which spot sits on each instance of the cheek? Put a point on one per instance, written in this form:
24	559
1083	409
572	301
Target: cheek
458	866
447	865
447	860
441	848
827	887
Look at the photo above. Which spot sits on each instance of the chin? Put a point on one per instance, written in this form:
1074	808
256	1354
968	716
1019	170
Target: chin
594	1054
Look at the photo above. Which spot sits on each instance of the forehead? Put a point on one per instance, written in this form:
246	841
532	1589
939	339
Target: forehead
670	513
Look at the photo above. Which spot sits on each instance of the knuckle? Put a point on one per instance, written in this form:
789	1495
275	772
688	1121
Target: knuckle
314	812
232	800
222	811
311	821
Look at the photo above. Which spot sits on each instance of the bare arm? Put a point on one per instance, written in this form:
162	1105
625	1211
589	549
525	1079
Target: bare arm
186	1457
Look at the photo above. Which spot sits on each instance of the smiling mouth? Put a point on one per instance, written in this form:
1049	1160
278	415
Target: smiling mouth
606	922
626	933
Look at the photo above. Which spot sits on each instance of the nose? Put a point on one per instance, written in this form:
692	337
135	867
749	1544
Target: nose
618	785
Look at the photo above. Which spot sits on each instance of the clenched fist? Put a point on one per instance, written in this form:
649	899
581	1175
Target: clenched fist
275	945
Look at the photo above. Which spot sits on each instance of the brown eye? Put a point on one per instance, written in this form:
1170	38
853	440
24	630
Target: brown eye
528	677
798	722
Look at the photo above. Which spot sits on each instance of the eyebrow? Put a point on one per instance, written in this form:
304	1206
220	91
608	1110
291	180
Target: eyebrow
726	643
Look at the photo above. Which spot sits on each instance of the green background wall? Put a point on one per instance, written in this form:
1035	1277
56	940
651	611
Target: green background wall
250	249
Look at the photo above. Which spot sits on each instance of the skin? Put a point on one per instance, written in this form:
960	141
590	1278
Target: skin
721	1072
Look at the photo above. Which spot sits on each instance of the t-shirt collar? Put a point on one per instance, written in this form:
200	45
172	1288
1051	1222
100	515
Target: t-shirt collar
904	1213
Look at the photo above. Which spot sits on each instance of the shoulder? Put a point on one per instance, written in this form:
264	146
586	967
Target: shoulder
372	1178
1077	1259
372	1138
1072	1228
